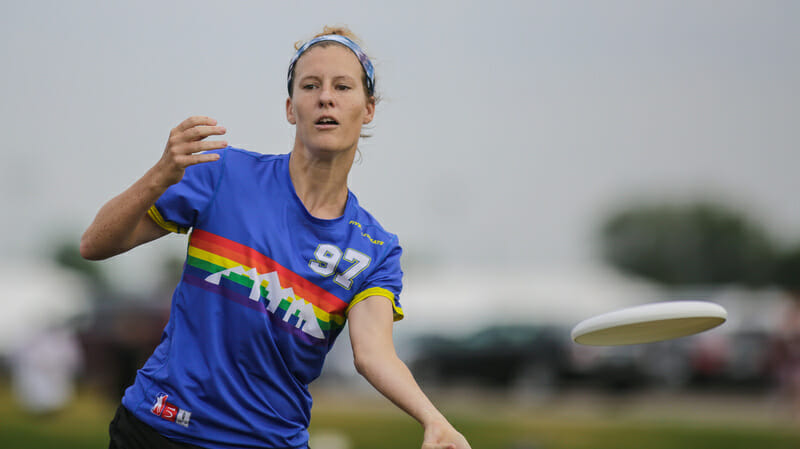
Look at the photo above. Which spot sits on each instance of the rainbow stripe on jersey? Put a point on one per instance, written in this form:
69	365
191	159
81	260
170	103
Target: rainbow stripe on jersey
245	276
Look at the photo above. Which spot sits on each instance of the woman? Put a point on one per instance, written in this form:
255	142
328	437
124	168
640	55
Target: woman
280	255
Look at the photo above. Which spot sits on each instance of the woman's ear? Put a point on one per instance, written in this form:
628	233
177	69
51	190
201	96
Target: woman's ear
290	112
370	110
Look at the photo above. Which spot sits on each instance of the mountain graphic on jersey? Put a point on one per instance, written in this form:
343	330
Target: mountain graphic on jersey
247	277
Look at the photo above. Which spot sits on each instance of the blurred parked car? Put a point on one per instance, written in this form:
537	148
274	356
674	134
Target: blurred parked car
722	360
522	356
608	367
741	359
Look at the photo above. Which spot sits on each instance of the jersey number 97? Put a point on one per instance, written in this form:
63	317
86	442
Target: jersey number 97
328	257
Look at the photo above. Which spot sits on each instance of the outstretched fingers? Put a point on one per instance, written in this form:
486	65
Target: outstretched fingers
187	138
200	132
195	120
195	159
186	146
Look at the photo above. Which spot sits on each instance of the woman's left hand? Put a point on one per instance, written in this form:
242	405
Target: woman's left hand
441	435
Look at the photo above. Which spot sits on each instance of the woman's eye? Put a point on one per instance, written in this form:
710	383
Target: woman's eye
343	87
309	86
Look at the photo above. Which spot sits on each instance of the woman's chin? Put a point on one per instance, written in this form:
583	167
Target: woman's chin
322	147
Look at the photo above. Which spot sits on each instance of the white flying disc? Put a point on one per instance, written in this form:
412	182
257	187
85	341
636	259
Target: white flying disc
649	323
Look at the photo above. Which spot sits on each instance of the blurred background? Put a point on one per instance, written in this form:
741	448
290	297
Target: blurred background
541	162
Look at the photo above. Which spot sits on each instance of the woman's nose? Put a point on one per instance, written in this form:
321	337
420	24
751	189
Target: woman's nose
326	96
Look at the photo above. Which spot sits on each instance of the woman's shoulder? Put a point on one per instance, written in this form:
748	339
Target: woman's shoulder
370	226
245	163
241	154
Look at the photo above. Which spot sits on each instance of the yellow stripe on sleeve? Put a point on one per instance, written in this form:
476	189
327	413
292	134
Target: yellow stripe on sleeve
168	225
377	291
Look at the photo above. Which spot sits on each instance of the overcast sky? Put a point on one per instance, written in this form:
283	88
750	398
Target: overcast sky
507	130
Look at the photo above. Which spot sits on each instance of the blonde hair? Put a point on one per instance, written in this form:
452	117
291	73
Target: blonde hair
328	30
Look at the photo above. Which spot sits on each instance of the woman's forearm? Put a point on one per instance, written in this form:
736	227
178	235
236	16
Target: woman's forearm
122	222
375	358
392	378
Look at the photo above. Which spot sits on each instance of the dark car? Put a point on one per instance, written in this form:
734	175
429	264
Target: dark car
607	367
514	356
743	358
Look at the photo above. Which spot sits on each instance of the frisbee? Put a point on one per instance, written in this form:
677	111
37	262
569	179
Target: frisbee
649	323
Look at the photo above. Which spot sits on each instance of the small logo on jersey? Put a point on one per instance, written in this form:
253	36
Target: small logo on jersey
170	412
158	407
364	234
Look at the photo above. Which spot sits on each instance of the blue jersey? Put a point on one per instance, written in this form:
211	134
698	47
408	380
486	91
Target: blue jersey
265	291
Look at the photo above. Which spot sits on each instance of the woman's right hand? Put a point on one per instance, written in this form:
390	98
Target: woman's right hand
122	223
184	143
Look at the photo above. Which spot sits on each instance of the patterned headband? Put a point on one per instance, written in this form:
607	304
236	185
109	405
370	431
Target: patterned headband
362	58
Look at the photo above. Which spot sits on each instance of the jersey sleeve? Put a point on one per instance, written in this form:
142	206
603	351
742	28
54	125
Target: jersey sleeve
179	207
386	281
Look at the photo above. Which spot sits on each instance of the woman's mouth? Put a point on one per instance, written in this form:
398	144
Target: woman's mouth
326	122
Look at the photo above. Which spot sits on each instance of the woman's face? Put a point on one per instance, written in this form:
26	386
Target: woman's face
329	104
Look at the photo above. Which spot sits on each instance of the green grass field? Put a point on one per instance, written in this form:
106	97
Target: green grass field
373	424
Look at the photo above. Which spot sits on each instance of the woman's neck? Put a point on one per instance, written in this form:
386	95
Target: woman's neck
321	182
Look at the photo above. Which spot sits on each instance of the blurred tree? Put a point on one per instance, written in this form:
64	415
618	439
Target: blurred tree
787	270
66	254
683	244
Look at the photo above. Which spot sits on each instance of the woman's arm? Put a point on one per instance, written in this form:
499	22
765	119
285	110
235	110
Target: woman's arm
370	323
122	223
